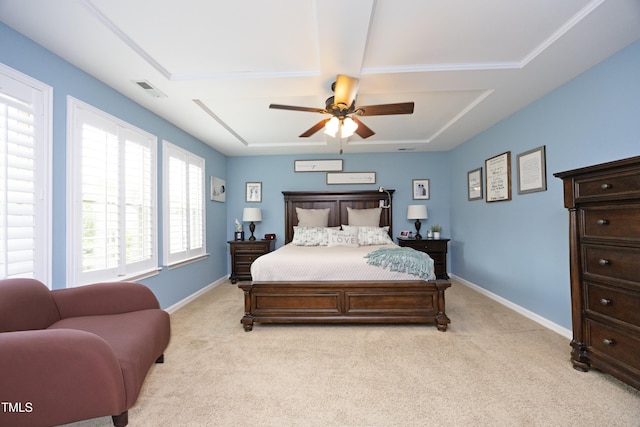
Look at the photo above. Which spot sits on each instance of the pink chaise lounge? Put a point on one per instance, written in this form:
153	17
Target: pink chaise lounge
73	354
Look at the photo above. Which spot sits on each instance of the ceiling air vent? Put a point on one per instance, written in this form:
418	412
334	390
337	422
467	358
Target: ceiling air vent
150	89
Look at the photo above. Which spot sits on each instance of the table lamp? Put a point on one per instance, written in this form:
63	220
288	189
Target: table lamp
417	212
252	215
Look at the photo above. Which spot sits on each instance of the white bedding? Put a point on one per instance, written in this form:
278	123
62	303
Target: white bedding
322	263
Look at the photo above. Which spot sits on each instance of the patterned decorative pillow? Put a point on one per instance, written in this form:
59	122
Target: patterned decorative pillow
364	217
343	238
368	236
310	236
312	217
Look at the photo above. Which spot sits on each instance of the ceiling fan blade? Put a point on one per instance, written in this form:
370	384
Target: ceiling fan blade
363	130
315	128
346	90
294	108
387	109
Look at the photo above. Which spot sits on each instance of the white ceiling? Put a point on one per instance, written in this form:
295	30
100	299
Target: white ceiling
466	64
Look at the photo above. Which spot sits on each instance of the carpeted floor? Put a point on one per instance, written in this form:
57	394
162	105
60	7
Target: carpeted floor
493	367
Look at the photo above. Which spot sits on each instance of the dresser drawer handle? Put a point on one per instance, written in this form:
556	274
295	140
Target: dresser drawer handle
602	222
608	342
603	261
605	301
605	186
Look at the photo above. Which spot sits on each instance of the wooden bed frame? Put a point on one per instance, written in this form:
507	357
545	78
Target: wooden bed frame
416	301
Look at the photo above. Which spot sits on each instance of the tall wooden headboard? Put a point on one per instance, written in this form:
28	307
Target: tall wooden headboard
337	202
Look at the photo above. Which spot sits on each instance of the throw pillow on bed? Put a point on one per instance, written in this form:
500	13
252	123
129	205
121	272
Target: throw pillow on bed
368	236
310	236
364	217
343	238
312	217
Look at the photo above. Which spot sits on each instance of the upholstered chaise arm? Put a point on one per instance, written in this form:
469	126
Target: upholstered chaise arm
47	374
104	298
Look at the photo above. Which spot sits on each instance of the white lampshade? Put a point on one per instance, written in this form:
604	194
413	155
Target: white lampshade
417	212
252	215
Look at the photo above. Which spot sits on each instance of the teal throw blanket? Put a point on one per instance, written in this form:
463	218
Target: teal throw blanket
405	260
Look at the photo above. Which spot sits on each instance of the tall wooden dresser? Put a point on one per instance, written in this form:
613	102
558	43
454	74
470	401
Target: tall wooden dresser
604	231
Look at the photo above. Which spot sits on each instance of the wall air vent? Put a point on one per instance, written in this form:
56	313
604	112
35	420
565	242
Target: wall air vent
150	89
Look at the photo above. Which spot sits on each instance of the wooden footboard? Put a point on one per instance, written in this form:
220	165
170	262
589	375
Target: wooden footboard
345	302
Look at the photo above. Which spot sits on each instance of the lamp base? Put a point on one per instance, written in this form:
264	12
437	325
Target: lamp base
418	224
252	228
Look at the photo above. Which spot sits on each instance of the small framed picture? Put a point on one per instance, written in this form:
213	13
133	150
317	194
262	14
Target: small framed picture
404	233
239	235
218	189
532	175
474	184
253	192
420	189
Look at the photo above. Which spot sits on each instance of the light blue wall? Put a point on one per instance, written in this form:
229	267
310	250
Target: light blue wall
519	249
29	58
393	171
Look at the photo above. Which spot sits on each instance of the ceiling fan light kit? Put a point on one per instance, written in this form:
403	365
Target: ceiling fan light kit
342	108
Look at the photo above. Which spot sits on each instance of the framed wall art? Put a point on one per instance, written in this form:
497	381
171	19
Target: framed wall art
474	184
317	165
420	189
532	171
218	189
253	192
498	179
351	178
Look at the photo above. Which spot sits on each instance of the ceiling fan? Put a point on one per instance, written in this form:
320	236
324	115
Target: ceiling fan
342	107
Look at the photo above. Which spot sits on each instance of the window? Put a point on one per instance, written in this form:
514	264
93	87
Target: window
184	209
112	193
25	176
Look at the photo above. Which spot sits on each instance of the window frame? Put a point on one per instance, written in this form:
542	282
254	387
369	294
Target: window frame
43	172
190	254
124	271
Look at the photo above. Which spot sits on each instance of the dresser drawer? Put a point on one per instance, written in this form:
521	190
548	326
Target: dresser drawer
616	303
619	185
613	342
613	262
621	222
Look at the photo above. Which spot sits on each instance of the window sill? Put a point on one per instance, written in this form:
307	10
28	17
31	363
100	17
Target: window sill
186	261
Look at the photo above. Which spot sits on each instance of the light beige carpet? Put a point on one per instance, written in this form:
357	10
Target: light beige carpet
493	367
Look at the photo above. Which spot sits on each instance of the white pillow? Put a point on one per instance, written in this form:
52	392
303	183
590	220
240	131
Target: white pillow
310	236
312	217
368	236
364	217
343	238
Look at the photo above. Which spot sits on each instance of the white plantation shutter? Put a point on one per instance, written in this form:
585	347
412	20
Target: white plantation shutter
184	208
114	198
24	170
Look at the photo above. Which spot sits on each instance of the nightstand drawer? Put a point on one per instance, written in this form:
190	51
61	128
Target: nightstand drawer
259	247
244	258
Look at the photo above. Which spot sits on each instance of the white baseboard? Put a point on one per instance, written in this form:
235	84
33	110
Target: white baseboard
194	295
518	309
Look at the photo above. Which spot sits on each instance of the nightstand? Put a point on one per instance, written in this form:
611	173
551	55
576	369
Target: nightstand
243	253
435	248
